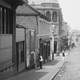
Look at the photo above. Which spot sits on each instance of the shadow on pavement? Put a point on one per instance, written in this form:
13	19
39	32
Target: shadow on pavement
35	75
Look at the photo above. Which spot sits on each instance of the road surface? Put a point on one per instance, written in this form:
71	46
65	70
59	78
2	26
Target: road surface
71	67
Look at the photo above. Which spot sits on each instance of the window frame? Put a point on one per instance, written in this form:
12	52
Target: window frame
48	14
54	16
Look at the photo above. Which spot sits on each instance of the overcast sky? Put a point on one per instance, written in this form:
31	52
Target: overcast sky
71	12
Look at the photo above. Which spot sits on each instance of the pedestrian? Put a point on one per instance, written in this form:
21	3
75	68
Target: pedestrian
40	61
63	53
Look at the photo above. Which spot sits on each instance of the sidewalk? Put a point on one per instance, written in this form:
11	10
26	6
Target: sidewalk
47	73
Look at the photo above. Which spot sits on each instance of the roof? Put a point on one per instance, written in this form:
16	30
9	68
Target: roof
46	6
27	10
41	7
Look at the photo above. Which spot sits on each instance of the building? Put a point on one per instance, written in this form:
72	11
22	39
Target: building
46	39
7	35
75	38
52	10
28	17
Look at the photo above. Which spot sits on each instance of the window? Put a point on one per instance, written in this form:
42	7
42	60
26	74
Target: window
48	14
6	21
54	17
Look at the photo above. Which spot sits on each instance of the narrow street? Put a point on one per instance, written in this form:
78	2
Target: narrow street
71	67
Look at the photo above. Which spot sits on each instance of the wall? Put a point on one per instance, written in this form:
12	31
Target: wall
30	23
27	21
5	50
20	35
44	27
30	46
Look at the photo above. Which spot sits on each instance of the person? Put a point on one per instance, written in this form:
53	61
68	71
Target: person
63	53
40	61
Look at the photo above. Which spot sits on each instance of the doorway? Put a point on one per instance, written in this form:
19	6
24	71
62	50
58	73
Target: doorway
20	56
55	46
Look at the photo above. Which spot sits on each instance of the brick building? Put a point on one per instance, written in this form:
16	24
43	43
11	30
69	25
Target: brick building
28	17
7	35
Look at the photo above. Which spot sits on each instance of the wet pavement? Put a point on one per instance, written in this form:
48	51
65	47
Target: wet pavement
71	67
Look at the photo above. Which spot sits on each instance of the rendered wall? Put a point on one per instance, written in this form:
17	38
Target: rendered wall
5	50
20	36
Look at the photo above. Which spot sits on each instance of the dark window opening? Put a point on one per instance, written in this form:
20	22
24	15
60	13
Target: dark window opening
48	14
6	21
54	17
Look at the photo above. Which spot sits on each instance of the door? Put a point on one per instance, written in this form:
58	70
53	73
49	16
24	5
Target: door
55	46
20	56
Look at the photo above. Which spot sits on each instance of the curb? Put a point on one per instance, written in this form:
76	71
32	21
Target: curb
53	74
58	71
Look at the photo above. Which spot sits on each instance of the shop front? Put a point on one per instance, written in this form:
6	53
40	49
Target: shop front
44	49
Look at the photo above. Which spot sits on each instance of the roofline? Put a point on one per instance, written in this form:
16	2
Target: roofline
48	8
38	13
41	15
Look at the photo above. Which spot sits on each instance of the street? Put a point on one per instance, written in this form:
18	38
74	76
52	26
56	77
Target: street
71	67
48	71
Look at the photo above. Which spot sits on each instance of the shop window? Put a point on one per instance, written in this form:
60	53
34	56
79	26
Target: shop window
54	17
6	21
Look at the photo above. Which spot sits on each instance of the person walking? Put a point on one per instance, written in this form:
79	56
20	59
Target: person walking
40	61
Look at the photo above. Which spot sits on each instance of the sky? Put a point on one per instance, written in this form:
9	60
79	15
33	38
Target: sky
70	11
